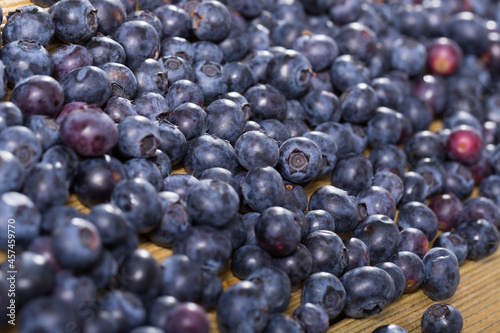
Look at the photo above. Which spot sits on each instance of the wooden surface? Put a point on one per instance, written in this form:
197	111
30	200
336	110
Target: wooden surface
477	297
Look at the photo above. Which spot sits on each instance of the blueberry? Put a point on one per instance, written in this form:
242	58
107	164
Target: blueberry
290	73
321	106
380	234
46	129
441	317
267	102
397	276
434	174
320	220
174	19
151	77
417	215
297	266
441	273
22	143
240	76
75	20
391	328
313	317
300	160
413	269
89	133
40	178
275	285
208	151
347	71
295	197
482	238
111	223
151	105
369	298
413	240
277	231
207	246
190	119
424	144
375	200
42	313
10	115
225	119
181	278
88	84
186	317
464	28
96	178
339	204
388	157
123	81
263	188
212	202
242	306
256	149
138	137
353	173
104	49
340	135
480	208
248	259
145	15
257	60
176	68
139	40
110	15
184	91
124	307
276	130
490	188
104	269
145	169
328	252
321	50
23	58
211	289
139	201
158	310
74	292
345	11
325	290
29	22
358	103
176	46
415	188
408	55
455	243
387	92
286	32
77	244
385	127
207	51
211	78
58	215
179	183
12	173
260	36
235	46
391	182
175	220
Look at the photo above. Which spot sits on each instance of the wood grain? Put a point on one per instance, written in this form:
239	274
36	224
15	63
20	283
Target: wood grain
477	297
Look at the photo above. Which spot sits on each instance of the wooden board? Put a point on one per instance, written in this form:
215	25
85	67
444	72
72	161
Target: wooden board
477	297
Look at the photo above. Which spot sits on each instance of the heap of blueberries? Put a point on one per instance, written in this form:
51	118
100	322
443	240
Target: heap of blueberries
255	99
